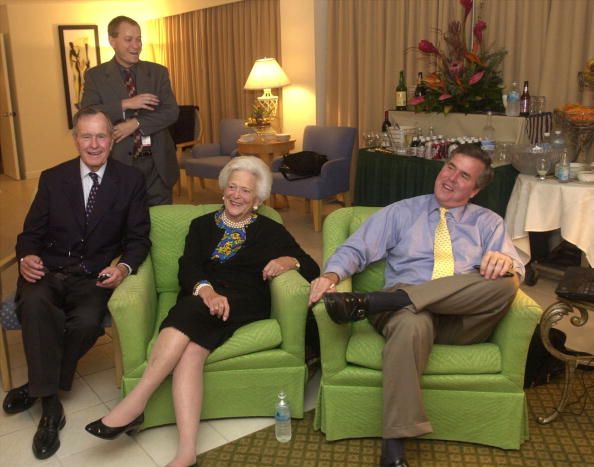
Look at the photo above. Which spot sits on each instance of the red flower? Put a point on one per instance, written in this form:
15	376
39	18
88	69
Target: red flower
456	67
416	100
444	96
467	4
428	47
476	77
479	27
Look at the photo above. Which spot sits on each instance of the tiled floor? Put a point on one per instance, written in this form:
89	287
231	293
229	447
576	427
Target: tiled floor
94	390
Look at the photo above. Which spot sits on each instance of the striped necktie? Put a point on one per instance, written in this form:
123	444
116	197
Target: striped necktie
130	83
92	195
443	257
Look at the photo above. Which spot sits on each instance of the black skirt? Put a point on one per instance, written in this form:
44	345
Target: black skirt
191	316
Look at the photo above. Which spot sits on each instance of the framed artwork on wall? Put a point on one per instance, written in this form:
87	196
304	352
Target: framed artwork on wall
79	47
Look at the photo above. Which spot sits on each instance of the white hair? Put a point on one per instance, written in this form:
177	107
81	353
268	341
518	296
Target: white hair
254	165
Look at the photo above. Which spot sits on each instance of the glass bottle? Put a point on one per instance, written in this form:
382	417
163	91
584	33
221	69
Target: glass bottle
420	88
387	123
401	93
282	419
489	129
525	101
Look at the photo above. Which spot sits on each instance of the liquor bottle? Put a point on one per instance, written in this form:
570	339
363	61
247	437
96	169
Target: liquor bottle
282	419
525	101
513	101
386	124
401	93
420	89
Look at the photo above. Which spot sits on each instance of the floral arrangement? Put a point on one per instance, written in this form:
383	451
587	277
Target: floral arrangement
260	116
465	80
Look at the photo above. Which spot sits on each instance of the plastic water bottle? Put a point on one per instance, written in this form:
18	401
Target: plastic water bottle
282	419
563	173
558	147
513	101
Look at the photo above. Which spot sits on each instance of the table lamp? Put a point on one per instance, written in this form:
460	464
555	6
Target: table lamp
266	74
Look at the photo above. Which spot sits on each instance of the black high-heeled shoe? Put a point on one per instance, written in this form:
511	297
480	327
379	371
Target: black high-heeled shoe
101	430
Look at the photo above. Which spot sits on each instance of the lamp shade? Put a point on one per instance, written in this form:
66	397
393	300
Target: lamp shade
266	74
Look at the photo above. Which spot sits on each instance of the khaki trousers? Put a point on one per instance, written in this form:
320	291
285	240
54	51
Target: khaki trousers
461	309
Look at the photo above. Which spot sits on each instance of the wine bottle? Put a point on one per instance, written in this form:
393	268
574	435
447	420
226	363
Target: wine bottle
386	124
525	101
401	93
420	89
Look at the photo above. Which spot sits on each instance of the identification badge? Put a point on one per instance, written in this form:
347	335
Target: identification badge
146	141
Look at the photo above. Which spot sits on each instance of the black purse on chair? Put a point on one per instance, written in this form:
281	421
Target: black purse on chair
301	165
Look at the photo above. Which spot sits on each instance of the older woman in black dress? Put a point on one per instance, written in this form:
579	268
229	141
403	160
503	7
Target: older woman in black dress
224	274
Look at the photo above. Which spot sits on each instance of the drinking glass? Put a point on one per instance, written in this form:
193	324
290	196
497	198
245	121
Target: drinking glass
542	167
503	153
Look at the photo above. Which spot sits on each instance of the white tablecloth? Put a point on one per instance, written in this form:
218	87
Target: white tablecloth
540	206
507	129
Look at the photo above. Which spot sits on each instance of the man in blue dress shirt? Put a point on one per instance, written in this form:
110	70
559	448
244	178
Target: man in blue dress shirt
416	308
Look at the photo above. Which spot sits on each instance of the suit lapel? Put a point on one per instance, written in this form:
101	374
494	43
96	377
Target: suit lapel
106	196
143	79
114	77
74	192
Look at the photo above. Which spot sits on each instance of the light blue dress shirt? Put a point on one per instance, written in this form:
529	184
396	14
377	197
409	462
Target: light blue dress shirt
403	233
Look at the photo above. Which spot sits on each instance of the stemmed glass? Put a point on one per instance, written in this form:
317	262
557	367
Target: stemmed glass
542	167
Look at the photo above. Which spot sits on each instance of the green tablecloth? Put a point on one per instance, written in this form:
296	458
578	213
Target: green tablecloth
386	178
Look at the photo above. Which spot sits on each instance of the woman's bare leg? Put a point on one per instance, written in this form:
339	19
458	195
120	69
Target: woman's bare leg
166	354
188	380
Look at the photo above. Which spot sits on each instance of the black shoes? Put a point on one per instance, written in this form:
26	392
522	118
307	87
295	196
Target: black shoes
47	438
101	430
17	400
346	307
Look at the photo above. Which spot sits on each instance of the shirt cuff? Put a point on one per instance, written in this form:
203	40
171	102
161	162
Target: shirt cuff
127	266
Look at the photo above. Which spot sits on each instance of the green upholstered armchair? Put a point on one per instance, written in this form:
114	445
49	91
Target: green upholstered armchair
472	393
243	376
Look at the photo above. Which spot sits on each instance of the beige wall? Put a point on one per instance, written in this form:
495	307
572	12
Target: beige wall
34	57
298	61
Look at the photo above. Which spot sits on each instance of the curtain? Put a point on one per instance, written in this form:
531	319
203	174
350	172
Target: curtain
369	42
210	53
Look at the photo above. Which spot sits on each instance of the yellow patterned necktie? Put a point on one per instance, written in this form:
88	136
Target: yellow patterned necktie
443	257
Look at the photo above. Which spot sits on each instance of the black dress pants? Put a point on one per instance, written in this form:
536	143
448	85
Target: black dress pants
61	317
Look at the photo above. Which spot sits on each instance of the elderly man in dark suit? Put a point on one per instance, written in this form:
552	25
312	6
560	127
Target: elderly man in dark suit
87	212
137	97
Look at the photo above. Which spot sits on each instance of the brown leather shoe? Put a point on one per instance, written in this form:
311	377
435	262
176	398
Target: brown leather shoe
346	307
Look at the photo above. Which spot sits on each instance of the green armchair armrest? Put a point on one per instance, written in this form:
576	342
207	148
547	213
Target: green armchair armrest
133	307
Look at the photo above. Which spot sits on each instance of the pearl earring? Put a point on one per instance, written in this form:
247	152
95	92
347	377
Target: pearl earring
223	198
255	208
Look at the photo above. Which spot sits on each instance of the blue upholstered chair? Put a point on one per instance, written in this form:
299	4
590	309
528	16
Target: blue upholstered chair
337	144
207	160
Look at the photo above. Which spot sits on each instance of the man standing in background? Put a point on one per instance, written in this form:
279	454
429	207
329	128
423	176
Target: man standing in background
137	97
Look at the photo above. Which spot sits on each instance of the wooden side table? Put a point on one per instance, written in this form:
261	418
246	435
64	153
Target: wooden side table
265	150
553	314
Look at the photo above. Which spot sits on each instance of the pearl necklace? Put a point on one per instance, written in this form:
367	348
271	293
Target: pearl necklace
235	224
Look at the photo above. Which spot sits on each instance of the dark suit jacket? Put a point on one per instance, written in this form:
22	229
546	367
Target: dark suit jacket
119	224
104	89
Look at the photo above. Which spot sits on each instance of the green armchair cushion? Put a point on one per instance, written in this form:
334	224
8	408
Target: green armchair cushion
365	349
254	337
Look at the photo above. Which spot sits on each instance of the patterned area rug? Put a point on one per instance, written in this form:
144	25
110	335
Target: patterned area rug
567	441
